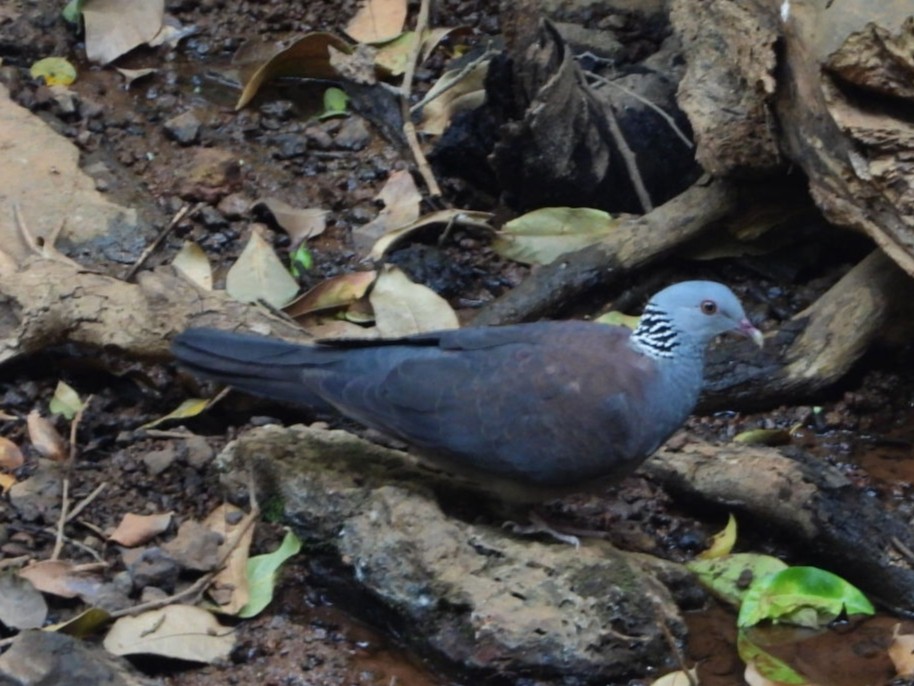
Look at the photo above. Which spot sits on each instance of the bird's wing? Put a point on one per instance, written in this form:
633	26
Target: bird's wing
544	403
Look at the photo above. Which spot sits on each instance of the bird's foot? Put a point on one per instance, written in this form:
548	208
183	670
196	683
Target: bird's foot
538	525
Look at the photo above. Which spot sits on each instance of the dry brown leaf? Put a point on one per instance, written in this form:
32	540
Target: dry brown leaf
300	223
192	262
10	455
114	27
182	632
377	21
403	308
230	586
258	274
44	437
63	578
333	293
442	218
308	57
901	652
401	201
137	529
322	327
7	481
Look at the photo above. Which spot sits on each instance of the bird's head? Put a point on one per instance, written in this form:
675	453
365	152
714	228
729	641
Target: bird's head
703	310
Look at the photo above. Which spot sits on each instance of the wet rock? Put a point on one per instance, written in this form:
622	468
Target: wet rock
184	128
472	594
199	452
353	134
212	218
318	138
195	547
157	461
40	658
151	567
38	497
234	206
290	145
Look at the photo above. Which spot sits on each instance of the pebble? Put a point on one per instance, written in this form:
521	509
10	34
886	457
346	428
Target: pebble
184	128
353	134
157	461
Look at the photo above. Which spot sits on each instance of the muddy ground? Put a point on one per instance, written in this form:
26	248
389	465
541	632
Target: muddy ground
309	636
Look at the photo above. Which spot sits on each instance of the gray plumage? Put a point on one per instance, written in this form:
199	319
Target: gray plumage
546	406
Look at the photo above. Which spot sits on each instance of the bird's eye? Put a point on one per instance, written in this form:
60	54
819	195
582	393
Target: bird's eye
708	307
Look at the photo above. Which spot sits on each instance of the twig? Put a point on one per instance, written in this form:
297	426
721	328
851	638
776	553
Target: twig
602	80
141	260
65	499
84	503
409	130
903	549
631	162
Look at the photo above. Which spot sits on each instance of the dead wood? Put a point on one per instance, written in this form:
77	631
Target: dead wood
49	302
817	347
832	522
635	243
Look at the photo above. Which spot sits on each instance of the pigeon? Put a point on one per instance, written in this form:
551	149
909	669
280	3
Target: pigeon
527	410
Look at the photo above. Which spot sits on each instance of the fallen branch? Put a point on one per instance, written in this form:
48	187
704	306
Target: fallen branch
633	244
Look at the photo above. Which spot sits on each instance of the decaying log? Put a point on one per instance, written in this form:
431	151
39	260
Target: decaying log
832	522
816	348
634	243
50	302
471	595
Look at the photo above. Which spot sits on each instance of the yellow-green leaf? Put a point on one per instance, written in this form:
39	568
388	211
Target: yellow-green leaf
56	71
262	571
722	542
189	408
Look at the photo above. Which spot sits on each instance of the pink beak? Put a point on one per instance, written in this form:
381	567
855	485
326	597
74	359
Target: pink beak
749	331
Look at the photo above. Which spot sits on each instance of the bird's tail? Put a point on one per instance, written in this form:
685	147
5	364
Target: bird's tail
258	365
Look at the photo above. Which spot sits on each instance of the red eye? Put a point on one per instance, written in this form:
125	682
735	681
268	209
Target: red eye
708	307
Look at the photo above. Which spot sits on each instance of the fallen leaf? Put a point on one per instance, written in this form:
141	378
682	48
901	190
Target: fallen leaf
722	542
393	56
7	481
63	578
322	327
115	27
44	437
188	408
131	75
21	605
300	223
540	236
679	678
901	652
258	274
262	571
10	455
403	308
377	21
457	90
137	529
66	401
182	632
330	294
443	218
82	625
192	262
769	437
401	201
616	318
308	57
56	71
729	577
229	588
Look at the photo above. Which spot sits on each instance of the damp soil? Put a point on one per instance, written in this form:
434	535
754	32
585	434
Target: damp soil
307	635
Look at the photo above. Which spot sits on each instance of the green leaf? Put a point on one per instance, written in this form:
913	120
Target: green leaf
541	236
335	102
73	11
262	570
188	408
300	261
767	664
65	402
806	596
722	542
730	577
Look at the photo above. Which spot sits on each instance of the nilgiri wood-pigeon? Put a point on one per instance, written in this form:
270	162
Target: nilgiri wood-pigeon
527	409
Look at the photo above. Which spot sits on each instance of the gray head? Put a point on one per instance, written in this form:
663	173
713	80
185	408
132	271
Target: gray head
699	310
